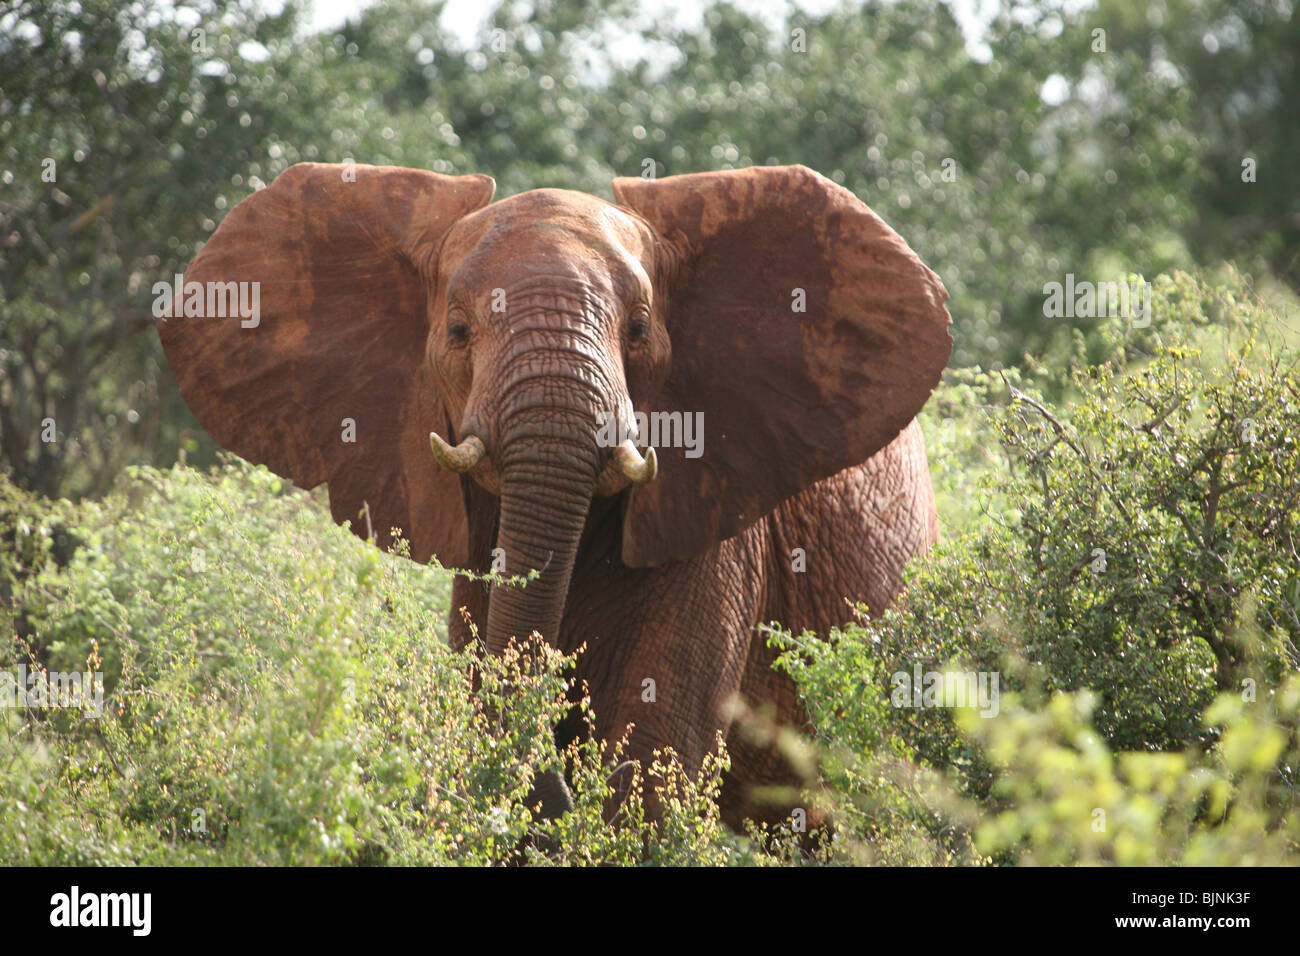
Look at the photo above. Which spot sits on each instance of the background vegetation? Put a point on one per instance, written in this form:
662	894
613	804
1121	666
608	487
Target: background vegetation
1119	500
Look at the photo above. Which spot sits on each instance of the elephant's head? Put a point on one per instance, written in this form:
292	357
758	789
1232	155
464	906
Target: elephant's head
396	303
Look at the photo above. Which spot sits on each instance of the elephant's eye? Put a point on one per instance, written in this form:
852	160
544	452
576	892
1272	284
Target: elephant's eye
638	327
457	331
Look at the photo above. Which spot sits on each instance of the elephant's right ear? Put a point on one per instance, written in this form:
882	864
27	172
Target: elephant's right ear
303	345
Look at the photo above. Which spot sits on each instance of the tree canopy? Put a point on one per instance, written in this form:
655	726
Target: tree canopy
1103	142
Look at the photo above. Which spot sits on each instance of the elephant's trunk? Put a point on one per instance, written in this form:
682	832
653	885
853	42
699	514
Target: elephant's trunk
546	490
542	515
549	462
552	391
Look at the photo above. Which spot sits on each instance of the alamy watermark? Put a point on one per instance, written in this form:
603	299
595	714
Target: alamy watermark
1081	299
946	689
53	690
130	910
211	300
656	429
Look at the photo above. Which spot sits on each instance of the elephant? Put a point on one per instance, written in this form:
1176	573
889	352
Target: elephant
482	375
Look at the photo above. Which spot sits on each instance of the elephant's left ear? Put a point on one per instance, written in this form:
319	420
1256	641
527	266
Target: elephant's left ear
805	333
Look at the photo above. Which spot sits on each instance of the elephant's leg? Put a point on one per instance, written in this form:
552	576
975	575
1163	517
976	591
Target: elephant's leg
760	772
846	538
666	648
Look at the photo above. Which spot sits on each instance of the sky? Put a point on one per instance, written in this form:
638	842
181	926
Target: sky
465	17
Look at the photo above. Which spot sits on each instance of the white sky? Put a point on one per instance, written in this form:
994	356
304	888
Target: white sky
465	17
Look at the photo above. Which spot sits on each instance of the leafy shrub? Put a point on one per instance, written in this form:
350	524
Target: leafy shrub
278	691
1066	798
1137	552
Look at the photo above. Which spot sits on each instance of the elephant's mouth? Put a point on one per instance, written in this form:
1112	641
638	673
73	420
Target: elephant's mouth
625	465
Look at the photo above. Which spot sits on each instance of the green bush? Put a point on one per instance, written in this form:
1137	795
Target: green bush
1137	548
1065	798
278	691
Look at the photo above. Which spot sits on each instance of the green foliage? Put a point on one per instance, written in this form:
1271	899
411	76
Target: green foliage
1159	521
1065	798
123	140
1134	554
955	424
280	692
1141	529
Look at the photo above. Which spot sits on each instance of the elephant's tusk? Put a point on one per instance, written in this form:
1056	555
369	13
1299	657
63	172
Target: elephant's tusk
641	470
459	459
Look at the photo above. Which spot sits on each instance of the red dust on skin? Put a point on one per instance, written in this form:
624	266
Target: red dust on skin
598	265
408	303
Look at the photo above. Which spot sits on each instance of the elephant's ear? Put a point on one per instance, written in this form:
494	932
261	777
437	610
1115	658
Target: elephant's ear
328	381
804	330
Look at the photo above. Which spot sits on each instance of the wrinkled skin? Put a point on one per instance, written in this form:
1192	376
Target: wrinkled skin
769	300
